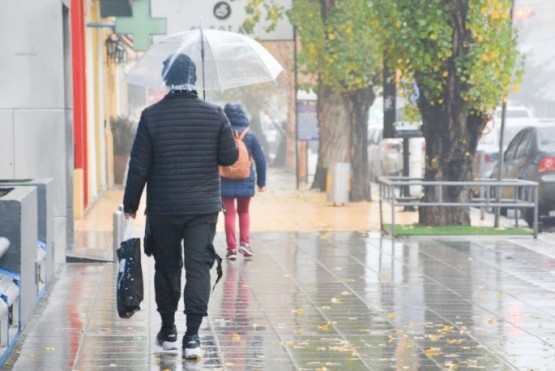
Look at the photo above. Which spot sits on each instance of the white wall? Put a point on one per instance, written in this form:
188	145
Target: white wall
34	137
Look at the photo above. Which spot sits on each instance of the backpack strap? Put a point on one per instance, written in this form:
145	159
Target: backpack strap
244	133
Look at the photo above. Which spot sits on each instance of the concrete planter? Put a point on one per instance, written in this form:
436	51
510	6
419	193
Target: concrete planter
120	168
19	224
45	209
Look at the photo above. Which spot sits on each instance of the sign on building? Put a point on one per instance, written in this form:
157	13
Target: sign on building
227	15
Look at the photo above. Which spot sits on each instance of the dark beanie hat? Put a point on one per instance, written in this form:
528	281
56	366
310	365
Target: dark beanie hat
179	70
236	114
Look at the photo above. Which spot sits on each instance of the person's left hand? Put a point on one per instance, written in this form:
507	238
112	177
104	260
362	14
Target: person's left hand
130	215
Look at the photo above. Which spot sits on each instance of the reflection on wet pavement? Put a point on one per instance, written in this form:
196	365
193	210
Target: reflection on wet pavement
323	301
92	245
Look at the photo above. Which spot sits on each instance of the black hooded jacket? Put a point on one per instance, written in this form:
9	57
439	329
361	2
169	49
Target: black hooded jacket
179	144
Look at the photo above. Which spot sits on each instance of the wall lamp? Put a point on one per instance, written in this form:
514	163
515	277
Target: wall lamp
115	49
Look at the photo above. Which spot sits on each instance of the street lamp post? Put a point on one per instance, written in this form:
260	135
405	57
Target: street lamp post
501	134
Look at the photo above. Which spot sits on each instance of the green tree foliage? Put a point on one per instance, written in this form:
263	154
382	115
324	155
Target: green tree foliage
274	12
339	48
338	43
420	41
463	57
461	54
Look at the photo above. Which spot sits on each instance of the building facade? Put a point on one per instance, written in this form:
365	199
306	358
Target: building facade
36	102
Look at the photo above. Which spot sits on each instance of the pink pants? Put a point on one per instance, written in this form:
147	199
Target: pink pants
244	221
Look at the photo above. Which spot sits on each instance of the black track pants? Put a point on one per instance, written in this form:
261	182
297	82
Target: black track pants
197	234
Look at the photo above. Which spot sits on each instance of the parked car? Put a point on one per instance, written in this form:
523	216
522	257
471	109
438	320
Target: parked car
530	155
385	156
487	153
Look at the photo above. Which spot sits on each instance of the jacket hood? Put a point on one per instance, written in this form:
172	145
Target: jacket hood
236	115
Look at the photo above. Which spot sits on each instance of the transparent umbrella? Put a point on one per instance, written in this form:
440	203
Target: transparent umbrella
224	60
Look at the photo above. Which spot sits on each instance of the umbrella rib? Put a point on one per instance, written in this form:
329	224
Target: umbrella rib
262	61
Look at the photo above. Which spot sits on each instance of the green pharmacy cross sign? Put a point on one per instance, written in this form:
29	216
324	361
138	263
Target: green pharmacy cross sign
141	25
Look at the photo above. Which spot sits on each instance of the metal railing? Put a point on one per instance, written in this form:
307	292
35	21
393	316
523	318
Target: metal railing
481	193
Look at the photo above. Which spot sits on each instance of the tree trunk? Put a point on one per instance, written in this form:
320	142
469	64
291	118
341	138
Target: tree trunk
343	122
445	161
335	132
451	141
451	134
359	103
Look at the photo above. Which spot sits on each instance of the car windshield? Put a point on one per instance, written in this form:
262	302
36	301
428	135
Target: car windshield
509	134
547	138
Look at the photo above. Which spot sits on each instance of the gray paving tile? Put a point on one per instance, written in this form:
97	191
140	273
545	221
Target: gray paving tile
310	301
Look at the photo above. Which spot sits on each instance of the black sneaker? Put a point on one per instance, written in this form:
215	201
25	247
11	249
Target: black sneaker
231	255
191	347
246	250
167	337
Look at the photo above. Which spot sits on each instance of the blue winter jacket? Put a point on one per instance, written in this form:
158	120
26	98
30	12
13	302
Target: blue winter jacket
245	187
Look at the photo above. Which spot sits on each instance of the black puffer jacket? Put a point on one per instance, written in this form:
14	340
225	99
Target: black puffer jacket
179	144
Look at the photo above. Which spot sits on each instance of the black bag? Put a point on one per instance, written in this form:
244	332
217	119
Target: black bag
129	289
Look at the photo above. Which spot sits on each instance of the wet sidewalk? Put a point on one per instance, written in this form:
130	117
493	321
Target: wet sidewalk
317	297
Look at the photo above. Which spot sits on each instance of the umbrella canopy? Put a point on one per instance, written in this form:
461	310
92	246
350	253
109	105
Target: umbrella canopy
224	60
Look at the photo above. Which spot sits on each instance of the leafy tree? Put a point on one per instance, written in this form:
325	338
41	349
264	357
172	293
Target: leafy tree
462	55
339	48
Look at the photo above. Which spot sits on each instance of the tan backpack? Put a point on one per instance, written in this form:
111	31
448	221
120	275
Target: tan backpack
242	168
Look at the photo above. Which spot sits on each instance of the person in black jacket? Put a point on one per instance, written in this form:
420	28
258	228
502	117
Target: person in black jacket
180	142
241	191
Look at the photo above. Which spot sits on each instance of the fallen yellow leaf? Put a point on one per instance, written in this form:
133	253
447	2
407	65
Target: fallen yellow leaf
299	311
445	329
432	352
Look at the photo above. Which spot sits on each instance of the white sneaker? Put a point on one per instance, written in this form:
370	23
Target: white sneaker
246	250
191	347
167	338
